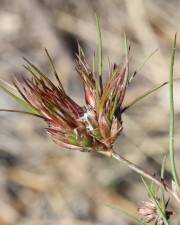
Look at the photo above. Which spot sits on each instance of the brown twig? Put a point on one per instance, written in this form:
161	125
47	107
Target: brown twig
144	173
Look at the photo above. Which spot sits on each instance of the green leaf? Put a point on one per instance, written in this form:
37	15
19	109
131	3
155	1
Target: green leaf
21	112
87	142
100	63
93	64
146	94
171	116
163	167
156	203
34	69
73	138
54	69
141	66
9	88
163	203
133	218
127	49
12	92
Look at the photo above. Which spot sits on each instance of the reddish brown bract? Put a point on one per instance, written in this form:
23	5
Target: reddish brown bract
93	127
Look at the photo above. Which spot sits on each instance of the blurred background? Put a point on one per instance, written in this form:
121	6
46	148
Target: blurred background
42	184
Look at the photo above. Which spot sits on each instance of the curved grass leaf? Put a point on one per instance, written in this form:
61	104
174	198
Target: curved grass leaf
21	112
54	69
128	215
12	92
100	63
163	203
141	66
146	94
156	203
172	117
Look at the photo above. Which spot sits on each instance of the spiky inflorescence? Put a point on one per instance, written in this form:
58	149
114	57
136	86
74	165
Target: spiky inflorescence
93	127
149	212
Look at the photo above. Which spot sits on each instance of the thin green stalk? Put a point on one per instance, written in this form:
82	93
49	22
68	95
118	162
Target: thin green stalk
54	69
156	180
172	117
93	64
156	203
147	93
132	217
141	66
22	112
162	189
100	63
13	93
96	80
127	49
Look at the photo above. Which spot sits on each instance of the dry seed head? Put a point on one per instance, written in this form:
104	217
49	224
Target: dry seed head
93	127
149	213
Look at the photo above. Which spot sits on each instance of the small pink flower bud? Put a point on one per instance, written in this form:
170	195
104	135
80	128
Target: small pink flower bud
149	213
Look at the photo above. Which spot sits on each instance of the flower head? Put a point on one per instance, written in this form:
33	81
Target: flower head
93	127
149	213
103	103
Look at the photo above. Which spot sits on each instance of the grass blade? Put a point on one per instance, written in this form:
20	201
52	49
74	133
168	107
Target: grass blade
22	112
162	189
12	92
156	203
127	49
147	93
171	116
141	65
34	70
100	63
54	69
133	218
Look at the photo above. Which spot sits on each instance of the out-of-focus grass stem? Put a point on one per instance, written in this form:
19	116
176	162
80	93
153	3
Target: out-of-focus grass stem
172	116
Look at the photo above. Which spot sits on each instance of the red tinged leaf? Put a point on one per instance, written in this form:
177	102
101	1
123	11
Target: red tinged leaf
90	100
104	126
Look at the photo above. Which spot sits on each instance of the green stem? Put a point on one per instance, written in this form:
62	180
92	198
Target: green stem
156	180
147	93
100	63
171	117
22	112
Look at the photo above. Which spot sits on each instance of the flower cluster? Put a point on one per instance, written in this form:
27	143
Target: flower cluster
93	127
149	213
